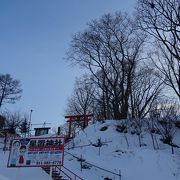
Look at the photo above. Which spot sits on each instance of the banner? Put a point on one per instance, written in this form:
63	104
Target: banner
36	152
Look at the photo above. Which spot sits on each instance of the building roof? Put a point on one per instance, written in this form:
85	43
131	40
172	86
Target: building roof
42	128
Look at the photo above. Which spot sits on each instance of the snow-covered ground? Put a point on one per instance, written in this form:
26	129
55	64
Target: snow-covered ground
120	154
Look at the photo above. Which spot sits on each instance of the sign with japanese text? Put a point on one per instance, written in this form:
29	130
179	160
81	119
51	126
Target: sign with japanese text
36	152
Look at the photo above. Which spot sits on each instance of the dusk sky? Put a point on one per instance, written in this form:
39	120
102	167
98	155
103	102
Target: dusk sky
34	37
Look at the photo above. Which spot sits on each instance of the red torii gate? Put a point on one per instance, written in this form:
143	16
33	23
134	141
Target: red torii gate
78	118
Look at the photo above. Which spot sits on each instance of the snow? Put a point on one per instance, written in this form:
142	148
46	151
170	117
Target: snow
132	161
120	153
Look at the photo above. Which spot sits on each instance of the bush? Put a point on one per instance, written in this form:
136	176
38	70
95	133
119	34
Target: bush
104	128
121	128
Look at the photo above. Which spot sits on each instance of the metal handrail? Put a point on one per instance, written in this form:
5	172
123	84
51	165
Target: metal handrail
75	175
63	172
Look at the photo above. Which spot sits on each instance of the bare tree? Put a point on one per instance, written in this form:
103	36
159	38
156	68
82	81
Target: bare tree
161	20
10	89
110	46
167	116
102	106
146	89
13	121
81	101
169	67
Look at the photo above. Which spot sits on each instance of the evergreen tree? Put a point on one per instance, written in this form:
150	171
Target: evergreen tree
24	127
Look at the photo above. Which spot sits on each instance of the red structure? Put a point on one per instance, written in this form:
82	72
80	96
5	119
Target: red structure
81	119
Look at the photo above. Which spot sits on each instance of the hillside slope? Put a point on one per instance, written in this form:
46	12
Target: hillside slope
100	152
120	153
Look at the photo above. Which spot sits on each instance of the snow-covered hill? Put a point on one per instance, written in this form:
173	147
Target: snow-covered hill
120	153
100	152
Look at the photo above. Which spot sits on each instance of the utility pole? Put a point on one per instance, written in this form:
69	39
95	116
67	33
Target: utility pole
29	134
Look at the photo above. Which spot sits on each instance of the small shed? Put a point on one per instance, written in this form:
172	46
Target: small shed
41	131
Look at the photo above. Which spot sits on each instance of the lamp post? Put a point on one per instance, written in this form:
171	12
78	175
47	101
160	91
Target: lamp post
30	122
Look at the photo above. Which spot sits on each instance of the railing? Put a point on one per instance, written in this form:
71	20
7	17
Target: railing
75	175
68	173
103	169
61	171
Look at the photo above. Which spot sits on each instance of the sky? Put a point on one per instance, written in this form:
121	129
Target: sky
34	38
